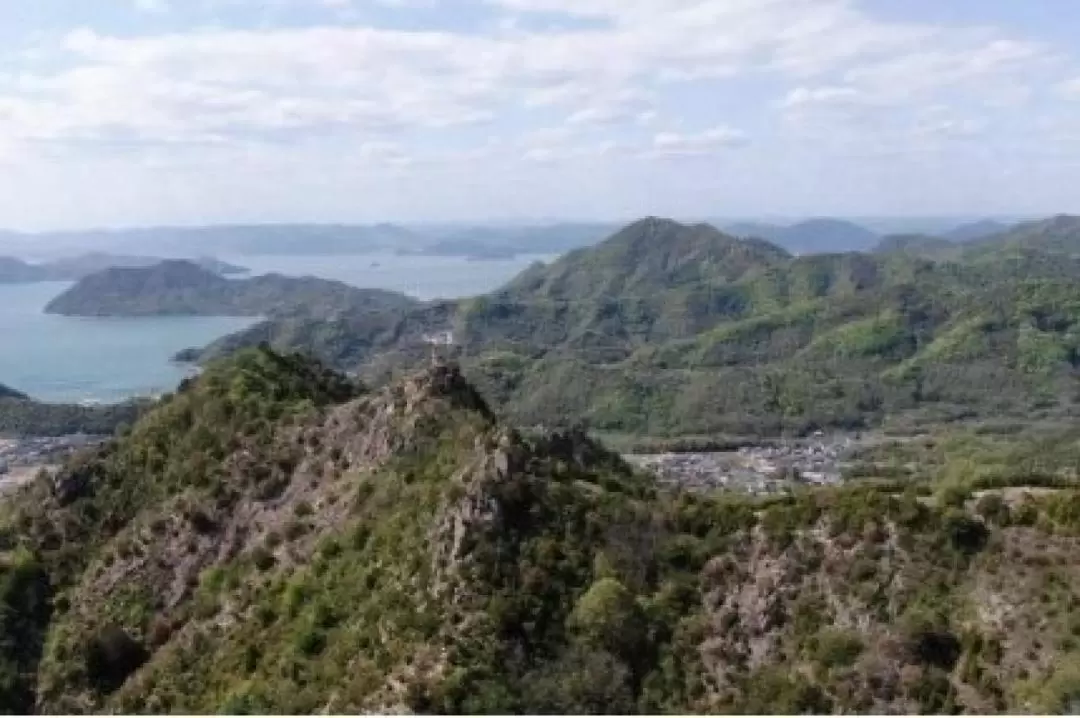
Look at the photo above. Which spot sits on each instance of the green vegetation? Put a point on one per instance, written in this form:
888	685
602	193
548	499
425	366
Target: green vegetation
24	417
667	331
182	287
273	538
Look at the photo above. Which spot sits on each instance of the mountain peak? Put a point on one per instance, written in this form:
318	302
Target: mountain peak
650	255
442	381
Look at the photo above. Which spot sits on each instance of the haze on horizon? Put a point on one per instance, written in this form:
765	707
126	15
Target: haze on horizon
162	112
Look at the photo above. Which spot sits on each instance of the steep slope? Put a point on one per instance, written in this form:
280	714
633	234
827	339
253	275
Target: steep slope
255	545
182	287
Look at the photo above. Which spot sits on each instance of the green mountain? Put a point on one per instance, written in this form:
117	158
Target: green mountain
670	330
182	287
275	539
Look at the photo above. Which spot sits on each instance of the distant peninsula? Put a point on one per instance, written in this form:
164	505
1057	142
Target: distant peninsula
71	269
179	287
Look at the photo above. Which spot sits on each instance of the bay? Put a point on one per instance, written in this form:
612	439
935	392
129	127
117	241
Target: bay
91	359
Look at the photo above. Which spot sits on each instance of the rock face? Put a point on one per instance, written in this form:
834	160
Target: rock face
275	538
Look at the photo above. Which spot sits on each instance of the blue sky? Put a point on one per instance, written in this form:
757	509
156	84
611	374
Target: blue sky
135	112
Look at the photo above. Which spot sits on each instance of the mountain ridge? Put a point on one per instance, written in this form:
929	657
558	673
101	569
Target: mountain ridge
634	334
331	548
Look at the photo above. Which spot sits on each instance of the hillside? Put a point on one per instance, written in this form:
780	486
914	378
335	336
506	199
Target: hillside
813	236
670	330
182	287
1056	235
21	416
273	539
919	245
651	255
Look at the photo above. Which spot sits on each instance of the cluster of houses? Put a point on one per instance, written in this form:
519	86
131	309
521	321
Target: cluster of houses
769	469
20	457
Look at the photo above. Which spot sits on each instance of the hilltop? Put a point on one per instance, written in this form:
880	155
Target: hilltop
273	538
651	255
183	287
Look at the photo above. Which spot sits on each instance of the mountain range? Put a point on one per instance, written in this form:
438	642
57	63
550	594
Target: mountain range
477	241
276	539
670	329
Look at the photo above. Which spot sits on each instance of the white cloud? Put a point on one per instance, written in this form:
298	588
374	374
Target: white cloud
235	82
152	6
824	76
826	95
705	142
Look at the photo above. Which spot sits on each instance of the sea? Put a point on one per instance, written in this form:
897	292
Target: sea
105	360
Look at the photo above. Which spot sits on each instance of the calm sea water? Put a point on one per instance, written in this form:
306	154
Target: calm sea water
73	359
422	277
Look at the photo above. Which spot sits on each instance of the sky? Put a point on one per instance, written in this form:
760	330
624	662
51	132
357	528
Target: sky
149	112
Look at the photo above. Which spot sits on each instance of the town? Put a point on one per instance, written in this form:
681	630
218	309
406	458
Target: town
22	458
761	470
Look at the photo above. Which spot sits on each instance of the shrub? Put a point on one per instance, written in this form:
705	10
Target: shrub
837	648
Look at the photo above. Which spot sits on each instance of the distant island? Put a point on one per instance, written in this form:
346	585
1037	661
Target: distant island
17	271
472	250
179	287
